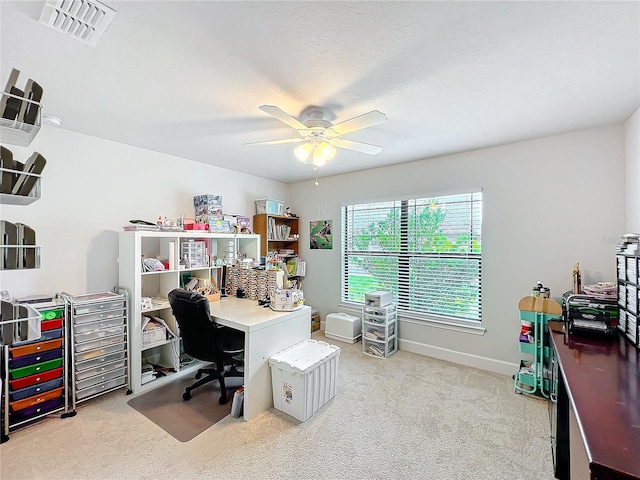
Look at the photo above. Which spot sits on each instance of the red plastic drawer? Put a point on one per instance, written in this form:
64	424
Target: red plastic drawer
51	324
35	400
34	379
34	348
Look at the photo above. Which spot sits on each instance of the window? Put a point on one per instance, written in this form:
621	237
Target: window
426	251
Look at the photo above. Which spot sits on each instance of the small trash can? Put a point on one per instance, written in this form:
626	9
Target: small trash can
303	377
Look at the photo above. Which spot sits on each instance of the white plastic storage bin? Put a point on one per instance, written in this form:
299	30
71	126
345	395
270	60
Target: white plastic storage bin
343	327
303	377
271	207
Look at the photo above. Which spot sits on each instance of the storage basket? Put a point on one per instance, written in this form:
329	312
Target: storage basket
154	335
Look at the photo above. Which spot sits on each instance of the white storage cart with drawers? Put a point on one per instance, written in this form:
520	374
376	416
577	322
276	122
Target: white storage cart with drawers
379	330
99	353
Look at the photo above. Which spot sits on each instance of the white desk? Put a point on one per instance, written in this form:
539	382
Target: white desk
265	332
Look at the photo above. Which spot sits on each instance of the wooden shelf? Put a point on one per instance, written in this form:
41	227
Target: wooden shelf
261	226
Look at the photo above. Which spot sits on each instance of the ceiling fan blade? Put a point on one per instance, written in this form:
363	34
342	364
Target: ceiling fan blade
275	142
283	116
365	120
358	146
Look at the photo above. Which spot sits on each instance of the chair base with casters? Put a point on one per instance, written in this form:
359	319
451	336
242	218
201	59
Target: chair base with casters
213	374
204	340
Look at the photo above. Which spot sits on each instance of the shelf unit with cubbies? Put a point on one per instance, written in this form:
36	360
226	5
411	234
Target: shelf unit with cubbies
164	353
278	233
379	330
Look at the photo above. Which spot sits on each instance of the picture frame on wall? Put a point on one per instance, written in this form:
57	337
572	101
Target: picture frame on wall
320	234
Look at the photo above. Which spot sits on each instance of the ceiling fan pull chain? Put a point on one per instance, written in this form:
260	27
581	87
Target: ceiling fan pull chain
315	169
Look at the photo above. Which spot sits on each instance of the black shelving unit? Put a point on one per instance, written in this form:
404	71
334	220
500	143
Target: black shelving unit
628	267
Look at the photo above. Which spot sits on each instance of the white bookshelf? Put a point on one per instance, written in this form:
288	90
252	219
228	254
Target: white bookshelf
163	245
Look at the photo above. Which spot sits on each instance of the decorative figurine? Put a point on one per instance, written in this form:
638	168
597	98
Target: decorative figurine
289	213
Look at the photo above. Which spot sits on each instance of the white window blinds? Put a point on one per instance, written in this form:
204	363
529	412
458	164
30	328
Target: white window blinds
426	251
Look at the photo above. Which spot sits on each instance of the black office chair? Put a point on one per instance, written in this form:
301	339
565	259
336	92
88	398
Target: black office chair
204	340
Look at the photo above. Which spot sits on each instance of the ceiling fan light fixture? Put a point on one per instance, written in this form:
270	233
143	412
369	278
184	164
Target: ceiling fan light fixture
319	162
303	151
326	151
318	159
319	137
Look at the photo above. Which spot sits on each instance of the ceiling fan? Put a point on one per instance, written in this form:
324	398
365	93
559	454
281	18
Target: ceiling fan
319	137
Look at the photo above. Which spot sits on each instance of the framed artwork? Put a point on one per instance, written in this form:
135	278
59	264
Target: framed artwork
320	235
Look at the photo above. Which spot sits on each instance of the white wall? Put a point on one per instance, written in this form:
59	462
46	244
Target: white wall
548	203
91	188
632	172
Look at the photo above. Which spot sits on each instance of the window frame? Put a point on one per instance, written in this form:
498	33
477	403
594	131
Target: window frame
473	257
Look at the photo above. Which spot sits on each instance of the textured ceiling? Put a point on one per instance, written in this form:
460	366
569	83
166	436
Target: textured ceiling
187	78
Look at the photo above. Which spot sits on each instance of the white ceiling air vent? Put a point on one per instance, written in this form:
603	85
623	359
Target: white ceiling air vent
84	20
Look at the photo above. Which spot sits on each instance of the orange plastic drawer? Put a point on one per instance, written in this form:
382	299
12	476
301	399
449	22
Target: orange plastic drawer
36	399
35	379
51	324
35	348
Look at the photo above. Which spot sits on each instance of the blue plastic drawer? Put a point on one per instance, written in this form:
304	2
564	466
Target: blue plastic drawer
35	400
27	360
46	336
35	389
51	335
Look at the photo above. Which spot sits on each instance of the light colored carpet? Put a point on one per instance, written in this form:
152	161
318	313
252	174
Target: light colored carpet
405	417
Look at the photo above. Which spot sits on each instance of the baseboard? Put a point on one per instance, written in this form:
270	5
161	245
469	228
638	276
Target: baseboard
462	358
483	363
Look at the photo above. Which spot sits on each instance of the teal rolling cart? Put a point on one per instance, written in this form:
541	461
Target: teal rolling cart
534	375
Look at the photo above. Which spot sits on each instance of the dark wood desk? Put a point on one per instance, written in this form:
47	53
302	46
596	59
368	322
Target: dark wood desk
602	380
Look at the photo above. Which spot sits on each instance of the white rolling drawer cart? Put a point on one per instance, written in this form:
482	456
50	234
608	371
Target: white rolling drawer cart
99	353
379	330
